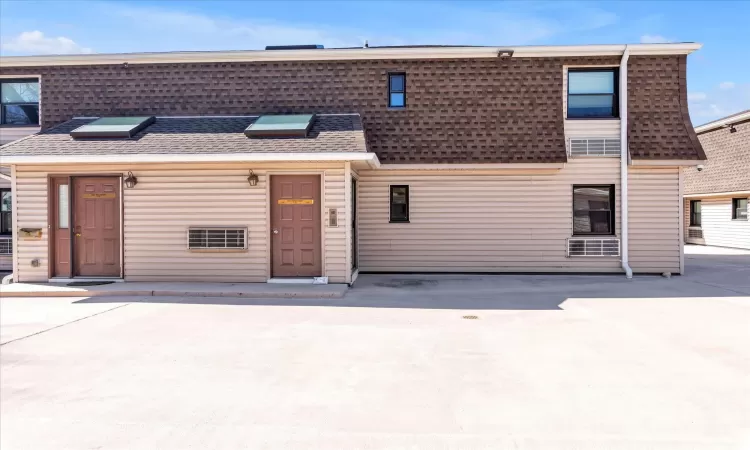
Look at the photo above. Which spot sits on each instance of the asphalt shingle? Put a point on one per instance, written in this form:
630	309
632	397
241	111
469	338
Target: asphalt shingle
330	133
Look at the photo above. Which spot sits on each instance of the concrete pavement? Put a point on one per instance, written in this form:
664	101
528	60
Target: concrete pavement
550	362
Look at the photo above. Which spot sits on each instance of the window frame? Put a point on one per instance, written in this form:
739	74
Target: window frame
4	104
8	213
735	201
391	91
612	210
390	203
615	94
692	214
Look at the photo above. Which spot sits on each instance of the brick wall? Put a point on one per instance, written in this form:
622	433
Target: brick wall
728	165
459	111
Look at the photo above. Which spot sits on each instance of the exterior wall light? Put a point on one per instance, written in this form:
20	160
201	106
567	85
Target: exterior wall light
732	129
131	181
252	179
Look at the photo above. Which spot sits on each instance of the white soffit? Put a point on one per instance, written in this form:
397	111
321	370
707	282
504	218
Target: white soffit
333	54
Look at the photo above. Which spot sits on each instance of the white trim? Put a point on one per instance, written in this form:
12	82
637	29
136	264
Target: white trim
370	158
487	166
725	122
348	220
681	209
371	53
14	219
719	194
666	162
17	76
624	152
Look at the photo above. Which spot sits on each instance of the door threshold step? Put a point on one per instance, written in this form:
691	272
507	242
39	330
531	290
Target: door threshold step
298	280
86	280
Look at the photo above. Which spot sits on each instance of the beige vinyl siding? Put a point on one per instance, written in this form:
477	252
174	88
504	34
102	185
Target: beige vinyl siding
479	221
654	220
717	225
167	201
335	237
31	212
582	128
10	134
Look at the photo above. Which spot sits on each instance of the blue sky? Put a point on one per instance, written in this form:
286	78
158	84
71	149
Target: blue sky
718	74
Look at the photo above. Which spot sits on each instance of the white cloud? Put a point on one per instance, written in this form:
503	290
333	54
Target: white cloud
655	39
697	96
36	43
726	85
719	103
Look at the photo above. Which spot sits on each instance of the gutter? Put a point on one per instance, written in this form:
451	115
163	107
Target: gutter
624	154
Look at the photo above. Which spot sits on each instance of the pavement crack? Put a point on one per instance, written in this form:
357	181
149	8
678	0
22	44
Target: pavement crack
63	324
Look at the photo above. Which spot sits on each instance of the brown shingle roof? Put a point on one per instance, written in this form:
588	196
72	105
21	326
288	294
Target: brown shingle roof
728	166
180	135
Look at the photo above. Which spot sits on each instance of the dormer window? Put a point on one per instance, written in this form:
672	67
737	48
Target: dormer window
592	94
19	102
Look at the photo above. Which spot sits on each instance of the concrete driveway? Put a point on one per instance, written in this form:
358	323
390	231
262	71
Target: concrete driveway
549	362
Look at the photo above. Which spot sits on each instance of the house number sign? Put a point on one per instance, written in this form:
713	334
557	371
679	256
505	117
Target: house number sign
296	201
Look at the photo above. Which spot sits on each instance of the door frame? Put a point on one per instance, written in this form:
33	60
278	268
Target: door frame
51	217
269	243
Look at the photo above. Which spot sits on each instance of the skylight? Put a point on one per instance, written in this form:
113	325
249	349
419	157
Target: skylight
294	125
113	127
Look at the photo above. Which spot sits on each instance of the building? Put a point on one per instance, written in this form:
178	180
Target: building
262	165
716	194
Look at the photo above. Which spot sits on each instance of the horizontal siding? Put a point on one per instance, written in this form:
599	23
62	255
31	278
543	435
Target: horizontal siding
31	198
717	225
166	202
477	222
654	220
10	134
6	263
335	237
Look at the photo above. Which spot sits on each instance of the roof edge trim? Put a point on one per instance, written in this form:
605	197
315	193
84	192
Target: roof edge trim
370	158
723	122
346	54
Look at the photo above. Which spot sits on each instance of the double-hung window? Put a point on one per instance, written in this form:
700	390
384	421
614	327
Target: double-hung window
592	94
695	213
397	90
6	212
19	102
399	204
739	209
594	210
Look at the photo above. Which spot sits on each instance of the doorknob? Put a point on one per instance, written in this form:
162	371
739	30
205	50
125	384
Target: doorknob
78	234
275	231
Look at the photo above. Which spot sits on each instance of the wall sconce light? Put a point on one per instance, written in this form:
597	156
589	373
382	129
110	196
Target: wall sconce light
732	129
252	179
131	181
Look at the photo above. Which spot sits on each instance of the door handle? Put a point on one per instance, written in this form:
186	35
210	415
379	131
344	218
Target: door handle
78	234
275	231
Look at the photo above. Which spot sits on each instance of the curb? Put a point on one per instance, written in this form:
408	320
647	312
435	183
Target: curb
311	294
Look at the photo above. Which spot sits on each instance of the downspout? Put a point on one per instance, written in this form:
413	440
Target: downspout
624	153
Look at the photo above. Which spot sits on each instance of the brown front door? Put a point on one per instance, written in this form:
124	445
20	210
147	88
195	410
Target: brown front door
295	226
96	226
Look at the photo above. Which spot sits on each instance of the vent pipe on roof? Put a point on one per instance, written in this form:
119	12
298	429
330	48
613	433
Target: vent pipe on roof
624	155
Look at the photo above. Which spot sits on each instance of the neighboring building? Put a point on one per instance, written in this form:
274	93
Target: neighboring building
259	165
716	197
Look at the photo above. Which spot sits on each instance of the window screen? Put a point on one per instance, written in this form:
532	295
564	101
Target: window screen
399	204
594	210
739	209
695	213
